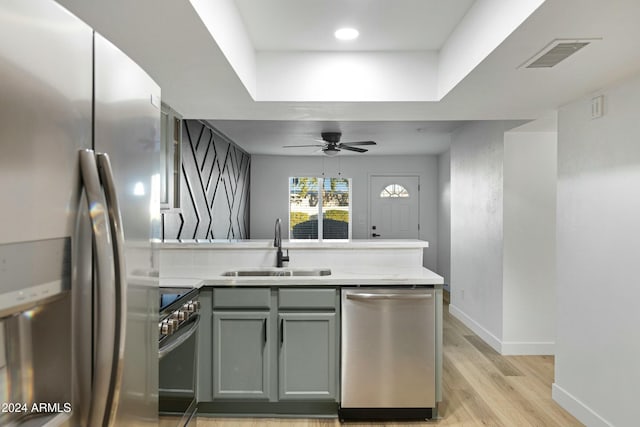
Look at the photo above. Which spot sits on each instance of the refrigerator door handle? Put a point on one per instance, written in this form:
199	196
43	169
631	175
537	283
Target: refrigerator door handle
117	232
105	296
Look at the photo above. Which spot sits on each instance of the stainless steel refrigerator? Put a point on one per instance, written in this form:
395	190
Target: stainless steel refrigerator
78	279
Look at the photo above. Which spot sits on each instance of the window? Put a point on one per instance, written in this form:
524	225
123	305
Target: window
394	190
319	207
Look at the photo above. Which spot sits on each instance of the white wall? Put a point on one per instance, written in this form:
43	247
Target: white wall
487	24
347	76
476	228
598	346
222	19
503	235
270	192
529	258
444	217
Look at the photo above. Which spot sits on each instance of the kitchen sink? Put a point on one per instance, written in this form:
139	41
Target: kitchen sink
286	272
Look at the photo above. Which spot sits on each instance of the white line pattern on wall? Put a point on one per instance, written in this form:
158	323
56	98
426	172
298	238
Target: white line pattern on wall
214	187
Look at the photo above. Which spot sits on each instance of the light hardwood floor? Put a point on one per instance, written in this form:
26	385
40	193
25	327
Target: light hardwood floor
480	388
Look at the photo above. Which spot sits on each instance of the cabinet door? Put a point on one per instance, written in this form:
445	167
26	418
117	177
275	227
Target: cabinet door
308	356
241	355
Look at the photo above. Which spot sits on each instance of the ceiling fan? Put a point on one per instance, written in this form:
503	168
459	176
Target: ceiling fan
332	144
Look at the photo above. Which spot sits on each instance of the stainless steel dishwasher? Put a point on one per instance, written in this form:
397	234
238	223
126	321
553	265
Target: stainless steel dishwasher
388	353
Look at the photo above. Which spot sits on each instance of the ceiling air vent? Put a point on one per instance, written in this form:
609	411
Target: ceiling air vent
556	51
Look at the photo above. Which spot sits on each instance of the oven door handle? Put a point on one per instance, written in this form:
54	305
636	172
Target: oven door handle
185	334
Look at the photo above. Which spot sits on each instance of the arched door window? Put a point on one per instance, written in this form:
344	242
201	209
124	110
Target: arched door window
394	190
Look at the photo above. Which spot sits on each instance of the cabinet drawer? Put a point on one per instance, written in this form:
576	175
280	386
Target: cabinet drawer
307	298
242	298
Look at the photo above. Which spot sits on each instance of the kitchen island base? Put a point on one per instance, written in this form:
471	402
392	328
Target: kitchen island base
270	345
247	408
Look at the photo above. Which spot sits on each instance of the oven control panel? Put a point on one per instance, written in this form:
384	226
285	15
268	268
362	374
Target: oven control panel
173	322
181	310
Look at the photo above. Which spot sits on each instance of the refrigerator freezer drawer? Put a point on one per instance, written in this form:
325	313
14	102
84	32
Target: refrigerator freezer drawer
388	348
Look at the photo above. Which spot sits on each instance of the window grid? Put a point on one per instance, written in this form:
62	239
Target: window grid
394	190
319	208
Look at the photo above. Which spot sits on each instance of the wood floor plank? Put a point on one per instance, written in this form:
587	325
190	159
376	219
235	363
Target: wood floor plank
502	363
463	395
480	388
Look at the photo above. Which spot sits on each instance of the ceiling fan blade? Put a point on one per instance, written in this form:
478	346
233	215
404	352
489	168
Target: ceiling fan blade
357	150
296	146
359	143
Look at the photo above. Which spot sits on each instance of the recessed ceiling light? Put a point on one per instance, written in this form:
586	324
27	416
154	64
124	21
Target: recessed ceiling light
346	34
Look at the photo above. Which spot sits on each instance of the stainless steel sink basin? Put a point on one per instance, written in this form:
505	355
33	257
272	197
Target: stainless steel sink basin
286	272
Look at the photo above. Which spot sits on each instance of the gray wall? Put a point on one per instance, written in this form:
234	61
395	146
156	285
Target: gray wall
598	222
270	193
477	152
444	217
214	187
503	235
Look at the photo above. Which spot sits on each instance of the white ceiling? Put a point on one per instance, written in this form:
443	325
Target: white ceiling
309	25
392	138
201	78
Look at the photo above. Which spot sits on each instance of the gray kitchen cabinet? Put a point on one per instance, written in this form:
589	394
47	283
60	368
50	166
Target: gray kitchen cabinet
241	355
307	363
272	345
205	386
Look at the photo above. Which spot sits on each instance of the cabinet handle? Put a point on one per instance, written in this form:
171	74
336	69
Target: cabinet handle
264	330
281	331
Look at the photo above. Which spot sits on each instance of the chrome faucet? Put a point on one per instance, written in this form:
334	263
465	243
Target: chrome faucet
277	243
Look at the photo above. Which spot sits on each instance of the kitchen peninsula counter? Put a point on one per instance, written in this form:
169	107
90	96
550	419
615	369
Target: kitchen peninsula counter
294	244
270	345
382	276
388	262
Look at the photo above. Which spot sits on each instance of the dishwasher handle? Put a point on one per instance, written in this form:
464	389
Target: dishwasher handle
369	297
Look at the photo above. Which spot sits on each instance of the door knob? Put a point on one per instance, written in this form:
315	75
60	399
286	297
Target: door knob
375	235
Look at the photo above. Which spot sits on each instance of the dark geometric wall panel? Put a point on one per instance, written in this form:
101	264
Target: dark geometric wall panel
214	187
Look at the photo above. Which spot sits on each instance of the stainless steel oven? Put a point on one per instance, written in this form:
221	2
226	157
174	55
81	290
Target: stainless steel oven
178	353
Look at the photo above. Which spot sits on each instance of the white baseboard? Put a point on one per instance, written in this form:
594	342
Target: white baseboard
478	329
582	412
515	348
506	348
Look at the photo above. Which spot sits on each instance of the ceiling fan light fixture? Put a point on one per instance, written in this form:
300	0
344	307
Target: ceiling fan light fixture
346	34
332	146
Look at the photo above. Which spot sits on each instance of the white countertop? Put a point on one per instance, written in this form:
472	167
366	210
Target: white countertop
295	244
345	276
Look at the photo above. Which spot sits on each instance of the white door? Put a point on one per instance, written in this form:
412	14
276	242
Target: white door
394	207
